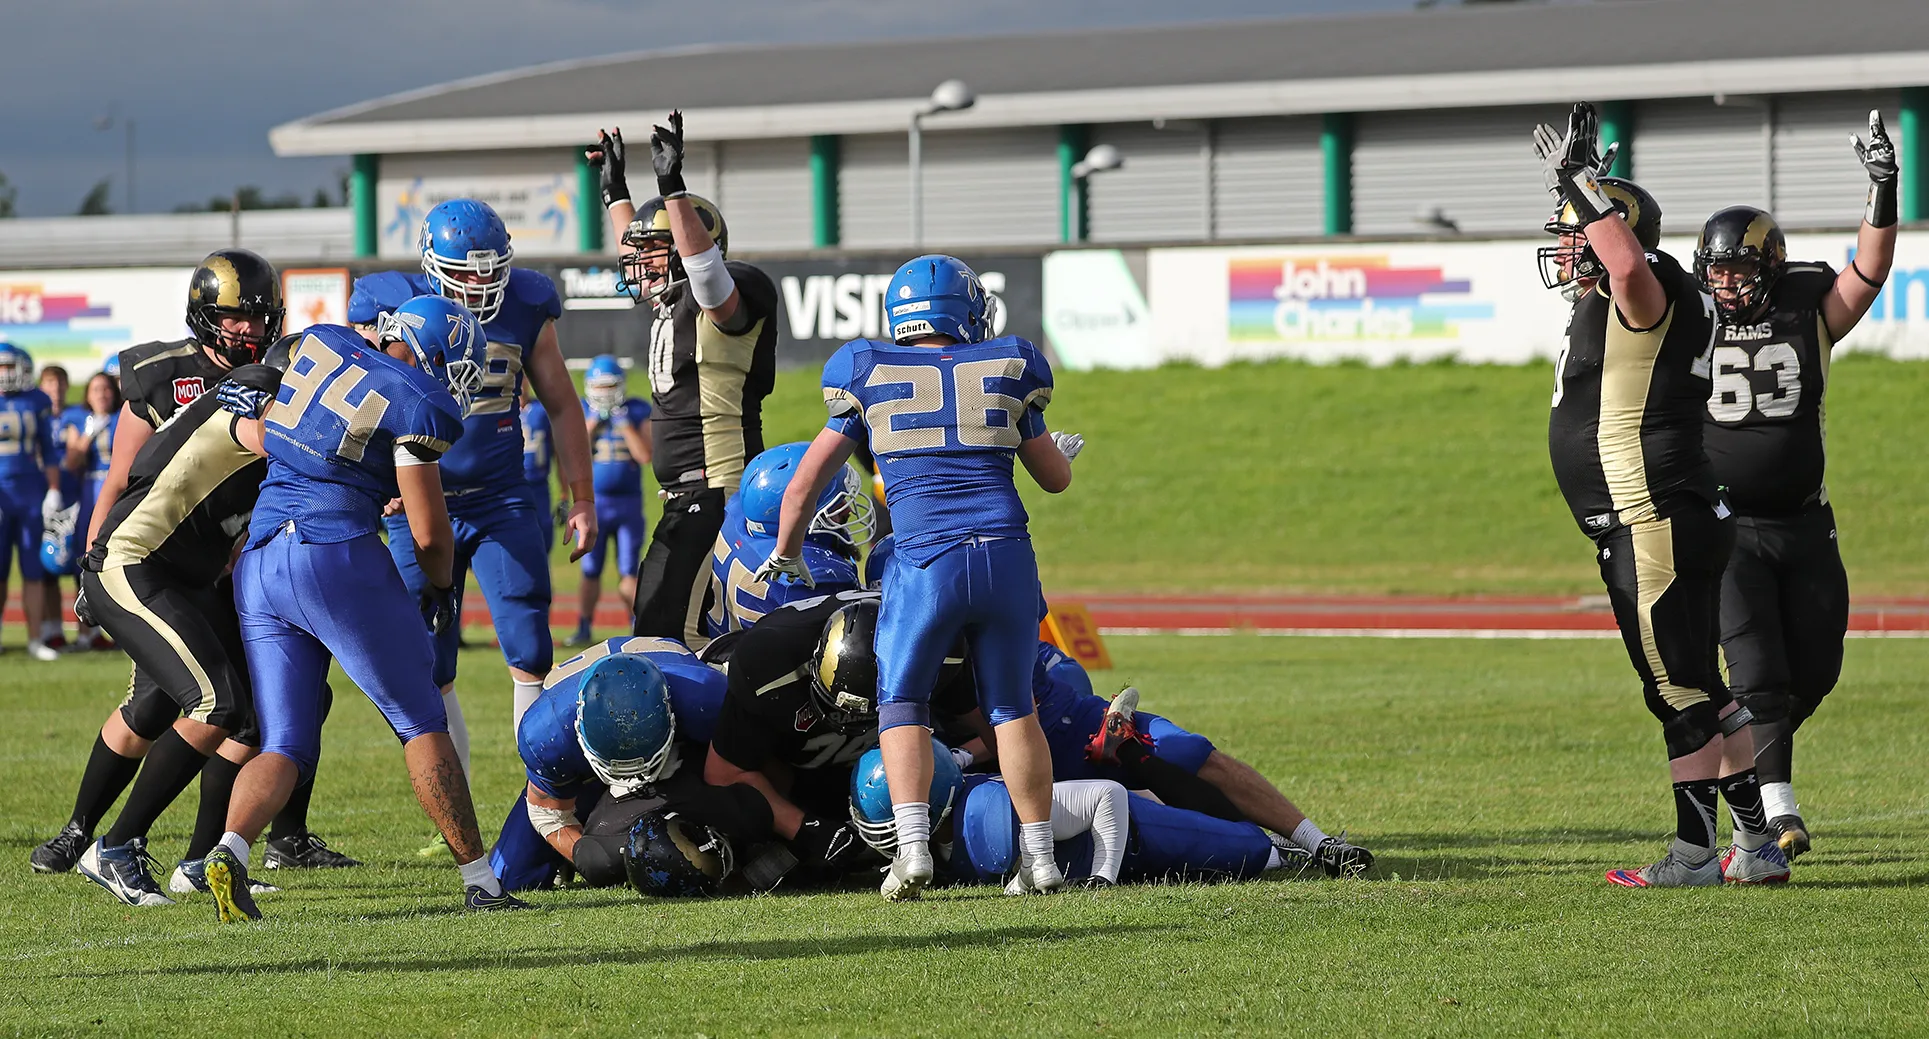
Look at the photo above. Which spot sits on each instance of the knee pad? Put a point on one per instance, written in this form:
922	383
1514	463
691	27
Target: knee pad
1736	720
599	859
1690	729
903	712
1767	706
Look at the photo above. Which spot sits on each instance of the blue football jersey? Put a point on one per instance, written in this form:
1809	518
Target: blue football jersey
547	740
738	600
343	410
100	457
72	419
535	443
614	470
26	437
490	452
945	424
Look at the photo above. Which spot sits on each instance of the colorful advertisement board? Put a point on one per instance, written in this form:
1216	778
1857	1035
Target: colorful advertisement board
79	318
539	209
314	297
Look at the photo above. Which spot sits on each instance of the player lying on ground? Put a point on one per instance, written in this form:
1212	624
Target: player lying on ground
1785	594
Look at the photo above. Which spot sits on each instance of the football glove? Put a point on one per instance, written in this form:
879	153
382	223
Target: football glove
785	566
243	400
439	609
95	426
821	842
610	167
1069	443
1878	156
1571	165
50	507
562	514
666	156
84	610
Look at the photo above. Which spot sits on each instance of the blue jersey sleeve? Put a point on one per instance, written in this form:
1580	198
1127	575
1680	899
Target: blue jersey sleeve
840	397
639	411
534	290
1035	391
432	425
546	739
377	294
696	693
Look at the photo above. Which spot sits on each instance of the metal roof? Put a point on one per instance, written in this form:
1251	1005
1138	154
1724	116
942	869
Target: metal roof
1441	57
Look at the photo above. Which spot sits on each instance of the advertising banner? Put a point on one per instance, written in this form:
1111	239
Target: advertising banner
79	318
538	208
314	297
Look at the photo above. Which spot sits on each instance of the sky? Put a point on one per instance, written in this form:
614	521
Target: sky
204	80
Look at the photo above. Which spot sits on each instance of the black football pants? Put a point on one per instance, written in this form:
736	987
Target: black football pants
676	570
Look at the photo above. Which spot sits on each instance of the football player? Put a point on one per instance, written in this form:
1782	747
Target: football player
55	382
498	523
1630	388
963	561
619	435
619	730
736	600
314	580
713	359
90	451
1785	595
30	495
537	462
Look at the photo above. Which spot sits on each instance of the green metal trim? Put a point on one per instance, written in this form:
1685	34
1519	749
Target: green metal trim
1915	153
1336	151
589	205
825	160
1071	193
361	198
1617	125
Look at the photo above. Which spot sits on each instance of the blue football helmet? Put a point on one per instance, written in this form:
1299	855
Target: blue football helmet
623	720
844	512
938	295
605	385
466	254
16	369
58	540
871	796
446	339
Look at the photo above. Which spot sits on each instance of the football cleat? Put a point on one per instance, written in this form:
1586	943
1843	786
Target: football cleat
61	851
1340	859
910	871
41	651
476	900
1793	835
227	881
123	871
304	850
1292	858
579	638
1038	877
191	875
1115	729
438	845
1671	871
1764	865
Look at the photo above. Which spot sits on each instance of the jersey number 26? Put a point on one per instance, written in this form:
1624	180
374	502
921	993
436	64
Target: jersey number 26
973	405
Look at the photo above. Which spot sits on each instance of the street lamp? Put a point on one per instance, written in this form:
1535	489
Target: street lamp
952	95
1101	158
106	122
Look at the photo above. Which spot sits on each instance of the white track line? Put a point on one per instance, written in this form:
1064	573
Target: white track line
1438	633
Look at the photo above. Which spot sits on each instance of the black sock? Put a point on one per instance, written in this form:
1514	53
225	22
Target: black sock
107	774
1694	812
1174	785
171	765
1744	797
293	817
1774	751
217	788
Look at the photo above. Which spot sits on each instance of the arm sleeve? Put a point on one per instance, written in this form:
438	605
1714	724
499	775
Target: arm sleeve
756	298
840	397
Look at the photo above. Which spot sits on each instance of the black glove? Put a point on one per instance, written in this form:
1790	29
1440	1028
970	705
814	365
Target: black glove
562	514
83	611
666	155
822	843
610	167
440	611
243	400
1571	162
1878	156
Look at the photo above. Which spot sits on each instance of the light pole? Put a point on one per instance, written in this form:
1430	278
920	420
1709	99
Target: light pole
1102	157
106	122
952	95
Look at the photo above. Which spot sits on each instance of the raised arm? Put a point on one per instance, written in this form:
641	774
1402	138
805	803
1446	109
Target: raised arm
710	282
1875	244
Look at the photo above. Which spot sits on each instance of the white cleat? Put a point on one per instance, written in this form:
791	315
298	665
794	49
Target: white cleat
910	871
1767	864
41	651
1039	877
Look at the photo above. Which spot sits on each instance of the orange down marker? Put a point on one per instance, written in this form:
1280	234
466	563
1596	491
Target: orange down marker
1069	626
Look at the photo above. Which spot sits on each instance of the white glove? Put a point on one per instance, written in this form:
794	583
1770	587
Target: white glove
96	425
785	566
1069	443
963	757
50	506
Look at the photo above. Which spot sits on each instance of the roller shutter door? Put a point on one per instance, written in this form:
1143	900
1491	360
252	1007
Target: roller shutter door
1696	157
991	187
765	193
873	196
1161	193
1268	178
1477	166
1818	182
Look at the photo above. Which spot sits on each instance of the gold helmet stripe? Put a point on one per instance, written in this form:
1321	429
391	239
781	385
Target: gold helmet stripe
833	645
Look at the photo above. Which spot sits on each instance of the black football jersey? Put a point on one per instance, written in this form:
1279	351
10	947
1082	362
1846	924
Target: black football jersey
708	385
768	711
1766	417
158	379
1625	430
190	492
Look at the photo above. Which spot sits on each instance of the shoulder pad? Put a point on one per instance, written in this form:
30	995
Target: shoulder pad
377	294
533	289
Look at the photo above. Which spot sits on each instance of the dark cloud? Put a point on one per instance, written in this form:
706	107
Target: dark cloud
205	80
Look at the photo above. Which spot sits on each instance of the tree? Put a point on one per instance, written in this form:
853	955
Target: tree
7	195
94	203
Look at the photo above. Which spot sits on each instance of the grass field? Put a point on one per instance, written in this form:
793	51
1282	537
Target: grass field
1419	479
1496	780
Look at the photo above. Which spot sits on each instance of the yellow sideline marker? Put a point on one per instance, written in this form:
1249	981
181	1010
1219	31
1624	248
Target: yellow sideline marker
1069	626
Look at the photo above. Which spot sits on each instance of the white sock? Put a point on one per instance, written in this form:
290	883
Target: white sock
1273	861
478	874
49	630
1307	836
1035	841
526	693
1779	799
236	847
458	730
913	822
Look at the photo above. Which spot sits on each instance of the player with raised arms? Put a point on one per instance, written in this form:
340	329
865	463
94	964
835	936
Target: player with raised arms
946	410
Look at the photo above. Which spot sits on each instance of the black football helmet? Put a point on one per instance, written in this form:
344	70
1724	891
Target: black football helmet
843	672
650	231
670	856
282	353
235	283
1745	241
1566	266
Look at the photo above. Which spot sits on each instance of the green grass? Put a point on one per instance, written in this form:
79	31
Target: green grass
1424	479
1496	780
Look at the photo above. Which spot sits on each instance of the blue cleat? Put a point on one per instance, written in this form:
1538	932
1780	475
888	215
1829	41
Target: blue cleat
476	900
123	871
